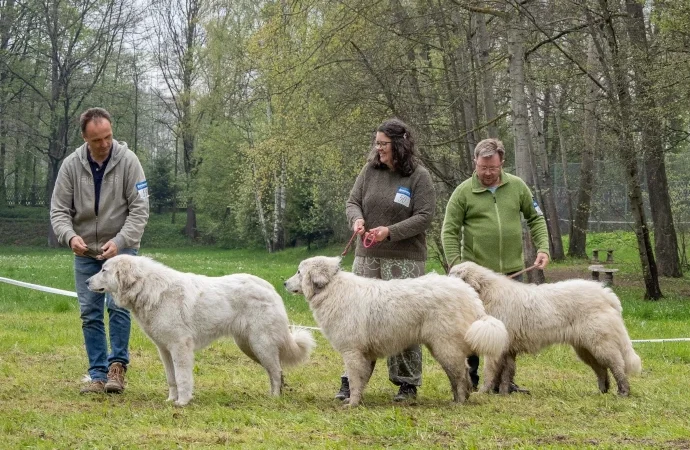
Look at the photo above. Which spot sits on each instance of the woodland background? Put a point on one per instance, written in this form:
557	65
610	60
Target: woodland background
253	118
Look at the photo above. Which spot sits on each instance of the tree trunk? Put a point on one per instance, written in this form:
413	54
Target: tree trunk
260	211
580	223
3	159
564	162
665	239
523	165
486	79
544	174
279	203
622	104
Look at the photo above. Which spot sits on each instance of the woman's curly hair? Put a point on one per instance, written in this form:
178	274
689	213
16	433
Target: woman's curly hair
402	141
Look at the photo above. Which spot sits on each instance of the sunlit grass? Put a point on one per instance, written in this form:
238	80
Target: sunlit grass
42	361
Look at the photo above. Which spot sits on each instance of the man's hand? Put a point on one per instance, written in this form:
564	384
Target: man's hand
109	250
78	246
542	260
358	226
379	233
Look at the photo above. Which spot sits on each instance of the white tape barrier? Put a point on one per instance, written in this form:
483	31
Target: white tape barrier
74	294
39	288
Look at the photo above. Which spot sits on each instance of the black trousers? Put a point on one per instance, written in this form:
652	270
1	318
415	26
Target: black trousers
473	360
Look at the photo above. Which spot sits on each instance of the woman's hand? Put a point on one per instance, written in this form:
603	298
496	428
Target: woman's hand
358	226
379	233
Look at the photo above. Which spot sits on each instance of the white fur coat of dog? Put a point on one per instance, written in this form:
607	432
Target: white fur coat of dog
581	313
365	319
185	312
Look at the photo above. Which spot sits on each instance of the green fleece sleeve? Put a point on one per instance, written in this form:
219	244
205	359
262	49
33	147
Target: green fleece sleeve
535	221
452	227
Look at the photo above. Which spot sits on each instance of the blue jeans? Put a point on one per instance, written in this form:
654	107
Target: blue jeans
91	307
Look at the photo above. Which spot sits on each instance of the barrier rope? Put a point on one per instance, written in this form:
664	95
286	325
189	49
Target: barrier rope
74	294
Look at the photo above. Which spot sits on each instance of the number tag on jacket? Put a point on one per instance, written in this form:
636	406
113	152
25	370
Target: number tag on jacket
536	207
143	189
403	196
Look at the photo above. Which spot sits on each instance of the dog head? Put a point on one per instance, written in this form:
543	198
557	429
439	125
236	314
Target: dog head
472	274
120	276
313	275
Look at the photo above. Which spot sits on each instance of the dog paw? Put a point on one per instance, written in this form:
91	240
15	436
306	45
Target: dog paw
182	401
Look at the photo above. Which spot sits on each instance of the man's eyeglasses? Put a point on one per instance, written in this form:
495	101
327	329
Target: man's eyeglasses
488	169
381	144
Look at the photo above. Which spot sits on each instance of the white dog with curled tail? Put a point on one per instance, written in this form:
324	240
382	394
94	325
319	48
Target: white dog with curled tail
580	313
184	312
365	319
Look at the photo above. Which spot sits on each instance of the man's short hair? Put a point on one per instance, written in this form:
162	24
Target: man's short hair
489	147
92	114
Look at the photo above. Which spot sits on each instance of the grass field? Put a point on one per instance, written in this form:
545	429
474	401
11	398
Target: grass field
42	362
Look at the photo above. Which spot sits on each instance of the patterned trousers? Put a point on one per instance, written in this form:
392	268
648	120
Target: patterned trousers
407	366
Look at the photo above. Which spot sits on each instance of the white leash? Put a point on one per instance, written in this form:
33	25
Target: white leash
74	294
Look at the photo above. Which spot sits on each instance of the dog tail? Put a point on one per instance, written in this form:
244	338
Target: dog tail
487	336
299	346
633	363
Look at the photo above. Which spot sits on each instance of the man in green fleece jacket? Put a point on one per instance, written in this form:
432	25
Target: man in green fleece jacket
482	221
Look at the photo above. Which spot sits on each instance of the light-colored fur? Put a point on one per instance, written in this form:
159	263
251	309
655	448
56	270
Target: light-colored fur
365	319
184	312
580	313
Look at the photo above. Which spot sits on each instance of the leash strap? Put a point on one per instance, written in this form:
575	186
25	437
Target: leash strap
522	271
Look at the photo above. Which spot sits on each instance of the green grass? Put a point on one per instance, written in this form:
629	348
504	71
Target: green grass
42	361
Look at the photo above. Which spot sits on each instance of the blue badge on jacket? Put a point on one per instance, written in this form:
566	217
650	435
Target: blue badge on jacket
143	189
403	196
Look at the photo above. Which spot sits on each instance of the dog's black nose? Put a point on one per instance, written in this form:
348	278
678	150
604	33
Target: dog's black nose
285	283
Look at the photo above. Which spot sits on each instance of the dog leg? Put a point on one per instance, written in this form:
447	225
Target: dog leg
166	358
359	370
183	362
453	362
492	374
600	371
507	374
271	363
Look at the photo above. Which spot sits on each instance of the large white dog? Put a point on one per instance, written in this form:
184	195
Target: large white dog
184	312
581	313
365	319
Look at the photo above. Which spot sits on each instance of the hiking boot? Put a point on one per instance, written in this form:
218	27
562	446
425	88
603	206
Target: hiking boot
406	392
116	378
344	391
93	387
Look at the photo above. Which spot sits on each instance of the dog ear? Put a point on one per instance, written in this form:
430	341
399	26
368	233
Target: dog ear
125	274
319	278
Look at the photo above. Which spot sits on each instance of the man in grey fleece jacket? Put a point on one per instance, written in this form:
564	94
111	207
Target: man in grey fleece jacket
99	208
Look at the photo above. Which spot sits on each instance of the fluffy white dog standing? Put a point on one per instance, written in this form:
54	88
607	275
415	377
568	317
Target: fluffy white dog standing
184	312
366	319
581	313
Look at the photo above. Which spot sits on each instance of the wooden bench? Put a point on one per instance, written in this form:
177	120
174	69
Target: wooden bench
598	269
609	255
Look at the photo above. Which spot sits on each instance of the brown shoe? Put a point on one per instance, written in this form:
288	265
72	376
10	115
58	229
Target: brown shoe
93	387
116	378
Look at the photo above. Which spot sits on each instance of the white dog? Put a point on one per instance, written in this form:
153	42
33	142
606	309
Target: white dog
184	312
581	313
365	319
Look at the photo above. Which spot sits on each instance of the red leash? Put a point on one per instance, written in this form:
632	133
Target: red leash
347	247
368	241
